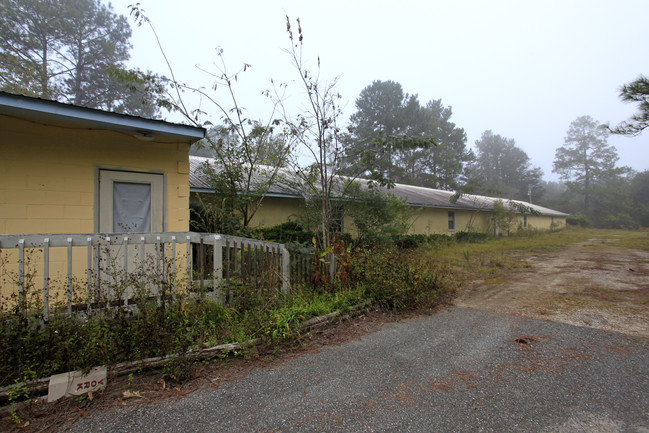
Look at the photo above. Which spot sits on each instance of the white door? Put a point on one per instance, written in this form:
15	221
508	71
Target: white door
130	202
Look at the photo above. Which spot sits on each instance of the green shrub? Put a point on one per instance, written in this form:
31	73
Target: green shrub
73	343
471	237
397	279
377	217
288	232
619	221
579	220
405	242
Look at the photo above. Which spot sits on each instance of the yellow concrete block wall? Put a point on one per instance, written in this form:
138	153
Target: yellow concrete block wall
435	221
109	272
277	210
542	222
48	175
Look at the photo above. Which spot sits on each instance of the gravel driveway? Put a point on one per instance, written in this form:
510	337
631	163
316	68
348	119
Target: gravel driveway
461	370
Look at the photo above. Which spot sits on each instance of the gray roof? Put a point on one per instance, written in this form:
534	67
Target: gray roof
36	108
198	183
414	195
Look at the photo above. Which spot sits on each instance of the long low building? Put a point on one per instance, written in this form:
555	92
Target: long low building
436	211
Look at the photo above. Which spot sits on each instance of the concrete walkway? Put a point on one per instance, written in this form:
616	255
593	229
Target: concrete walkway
460	370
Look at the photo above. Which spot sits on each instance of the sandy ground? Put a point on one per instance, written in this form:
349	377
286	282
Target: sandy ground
593	284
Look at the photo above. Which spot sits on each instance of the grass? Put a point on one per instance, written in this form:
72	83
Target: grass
495	259
637	240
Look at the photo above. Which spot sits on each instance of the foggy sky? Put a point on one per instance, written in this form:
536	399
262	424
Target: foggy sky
524	70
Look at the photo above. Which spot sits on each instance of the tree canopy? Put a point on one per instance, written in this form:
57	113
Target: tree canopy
247	165
442	165
636	91
586	160
640	197
72	51
392	133
381	129
503	169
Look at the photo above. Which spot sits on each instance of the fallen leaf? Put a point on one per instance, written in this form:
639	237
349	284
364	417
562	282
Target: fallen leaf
131	394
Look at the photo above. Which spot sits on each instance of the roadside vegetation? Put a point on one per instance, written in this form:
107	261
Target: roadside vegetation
412	273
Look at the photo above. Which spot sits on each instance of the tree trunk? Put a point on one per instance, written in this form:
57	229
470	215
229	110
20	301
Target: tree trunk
586	184
78	76
45	91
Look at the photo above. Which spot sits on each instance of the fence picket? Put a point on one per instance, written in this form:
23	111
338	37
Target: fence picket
228	264
46	280
256	268
125	245
89	275
21	275
173	264
69	276
217	264
188	258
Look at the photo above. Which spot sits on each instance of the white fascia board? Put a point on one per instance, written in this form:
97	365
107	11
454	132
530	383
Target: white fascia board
23	106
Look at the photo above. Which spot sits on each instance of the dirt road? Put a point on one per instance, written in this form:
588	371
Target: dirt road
594	283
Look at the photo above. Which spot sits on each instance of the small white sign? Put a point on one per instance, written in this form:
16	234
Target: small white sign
75	383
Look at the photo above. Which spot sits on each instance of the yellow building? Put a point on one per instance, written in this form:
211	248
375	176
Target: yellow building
436	211
76	183
68	169
72	170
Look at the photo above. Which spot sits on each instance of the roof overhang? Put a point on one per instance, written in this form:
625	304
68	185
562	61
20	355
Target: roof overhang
24	106
415	196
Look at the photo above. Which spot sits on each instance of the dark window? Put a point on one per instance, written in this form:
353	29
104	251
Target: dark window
451	221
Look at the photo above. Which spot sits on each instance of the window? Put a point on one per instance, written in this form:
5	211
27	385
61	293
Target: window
131	207
451	221
525	221
130	202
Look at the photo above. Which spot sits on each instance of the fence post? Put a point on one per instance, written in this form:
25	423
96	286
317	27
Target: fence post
190	277
109	268
46	280
286	270
173	265
22	300
89	275
69	279
159	267
125	273
217	264
97	257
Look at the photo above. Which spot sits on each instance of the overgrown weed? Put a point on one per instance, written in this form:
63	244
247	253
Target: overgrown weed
393	277
175	326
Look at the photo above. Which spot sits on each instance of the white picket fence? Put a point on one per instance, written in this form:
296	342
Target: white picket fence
171	254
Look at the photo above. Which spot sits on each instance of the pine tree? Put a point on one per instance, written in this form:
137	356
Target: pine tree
503	169
586	159
72	51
